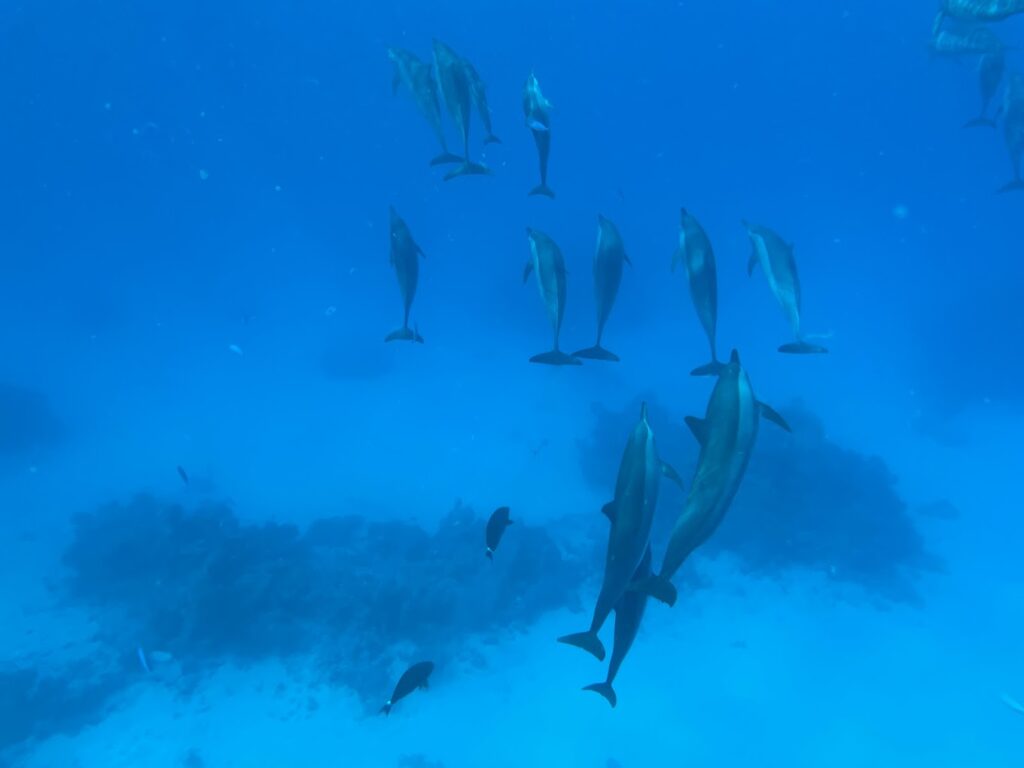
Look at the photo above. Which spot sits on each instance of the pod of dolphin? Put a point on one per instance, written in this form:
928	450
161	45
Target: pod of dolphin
959	30
728	430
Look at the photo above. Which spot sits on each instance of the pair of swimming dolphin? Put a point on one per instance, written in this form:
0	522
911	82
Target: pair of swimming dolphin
774	255
547	262
462	89
628	559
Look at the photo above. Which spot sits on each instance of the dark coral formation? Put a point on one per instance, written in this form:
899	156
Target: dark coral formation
805	502
208	588
28	426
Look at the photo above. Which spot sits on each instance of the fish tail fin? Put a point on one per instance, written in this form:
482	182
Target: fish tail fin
543	189
588	641
468	168
657	587
714	368
597	352
405	333
803	348
1015	185
606	690
492	139
980	122
446	158
555	357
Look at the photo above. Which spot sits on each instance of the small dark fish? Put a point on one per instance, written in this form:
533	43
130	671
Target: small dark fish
496	529
414	677
183	474
540	447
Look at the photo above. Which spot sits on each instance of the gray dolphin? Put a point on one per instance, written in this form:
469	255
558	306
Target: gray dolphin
727	435
547	261
963	40
478	90
418	78
1013	128
538	119
982	10
608	261
631	513
775	256
413	678
454	79
629	613
696	253
990	73
405	260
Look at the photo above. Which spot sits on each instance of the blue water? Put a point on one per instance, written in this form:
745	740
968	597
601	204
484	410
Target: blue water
194	272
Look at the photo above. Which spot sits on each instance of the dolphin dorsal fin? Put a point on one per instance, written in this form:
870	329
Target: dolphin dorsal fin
699	427
608	510
670	472
773	416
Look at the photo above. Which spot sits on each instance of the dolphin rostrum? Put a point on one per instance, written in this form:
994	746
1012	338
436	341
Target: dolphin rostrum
608	261
727	435
775	256
405	260
547	262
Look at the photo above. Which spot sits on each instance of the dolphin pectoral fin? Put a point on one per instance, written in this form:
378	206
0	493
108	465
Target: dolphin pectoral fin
597	352
773	416
606	690
543	189
608	510
803	348
714	368
588	641
404	334
446	158
527	270
1015	185
555	357
468	169
656	587
669	471
492	139
699	428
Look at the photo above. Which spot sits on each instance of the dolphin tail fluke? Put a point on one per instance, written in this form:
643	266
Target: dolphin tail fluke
468	169
1015	185
543	189
404	333
980	122
657	587
803	348
588	641
606	690
385	710
492	139
554	357
447	158
714	368
597	352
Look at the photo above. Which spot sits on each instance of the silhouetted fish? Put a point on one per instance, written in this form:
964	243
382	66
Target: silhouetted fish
414	677
496	526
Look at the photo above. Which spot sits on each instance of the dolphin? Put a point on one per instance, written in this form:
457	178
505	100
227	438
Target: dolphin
990	74
456	88
413	678
696	253
478	91
538	119
496	526
608	261
631	513
405	260
547	261
726	434
418	78
1013	129
982	10
963	41
775	256
629	613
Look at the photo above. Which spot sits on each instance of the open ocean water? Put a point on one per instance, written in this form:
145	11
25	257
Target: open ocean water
233	515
